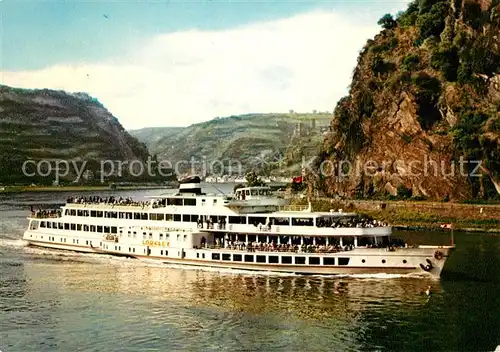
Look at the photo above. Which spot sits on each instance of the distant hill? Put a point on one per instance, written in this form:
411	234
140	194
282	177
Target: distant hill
47	125
151	135
268	143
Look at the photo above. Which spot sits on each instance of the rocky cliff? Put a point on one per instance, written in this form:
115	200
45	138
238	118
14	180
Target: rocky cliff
54	125
422	118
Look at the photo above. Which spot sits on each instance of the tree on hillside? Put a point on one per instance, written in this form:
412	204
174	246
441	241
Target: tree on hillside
253	180
387	21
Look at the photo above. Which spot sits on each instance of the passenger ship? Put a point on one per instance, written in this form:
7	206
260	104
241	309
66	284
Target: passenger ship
249	230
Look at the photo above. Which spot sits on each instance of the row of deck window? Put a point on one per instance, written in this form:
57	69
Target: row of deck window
78	227
178	202
274	259
182	201
252	220
106	229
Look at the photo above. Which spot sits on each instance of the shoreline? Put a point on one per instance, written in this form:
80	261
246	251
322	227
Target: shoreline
434	228
403	215
421	215
28	189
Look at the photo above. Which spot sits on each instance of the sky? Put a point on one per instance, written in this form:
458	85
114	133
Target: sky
174	63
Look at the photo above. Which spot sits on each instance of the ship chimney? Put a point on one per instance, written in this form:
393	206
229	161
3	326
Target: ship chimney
190	184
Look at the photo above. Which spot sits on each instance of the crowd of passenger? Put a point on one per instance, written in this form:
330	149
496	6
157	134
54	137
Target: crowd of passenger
273	247
361	222
286	247
397	242
107	200
159	203
42	214
211	224
302	248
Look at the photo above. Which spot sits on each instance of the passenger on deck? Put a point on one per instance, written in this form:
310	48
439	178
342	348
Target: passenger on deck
113	201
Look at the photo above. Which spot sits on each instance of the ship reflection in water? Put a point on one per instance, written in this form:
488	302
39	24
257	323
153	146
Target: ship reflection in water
72	305
64	301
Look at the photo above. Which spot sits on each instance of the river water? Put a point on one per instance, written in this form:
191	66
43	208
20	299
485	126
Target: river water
64	301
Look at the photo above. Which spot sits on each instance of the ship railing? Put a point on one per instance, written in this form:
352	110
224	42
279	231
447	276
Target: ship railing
284	249
41	215
115	206
311	249
294	230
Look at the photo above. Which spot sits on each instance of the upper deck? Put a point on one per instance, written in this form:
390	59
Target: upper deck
251	198
287	222
300	223
249	210
106	206
190	200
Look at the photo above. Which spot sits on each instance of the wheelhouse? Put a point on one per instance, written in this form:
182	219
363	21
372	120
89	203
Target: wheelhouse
252	193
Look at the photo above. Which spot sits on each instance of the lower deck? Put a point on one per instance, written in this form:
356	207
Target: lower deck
252	266
356	260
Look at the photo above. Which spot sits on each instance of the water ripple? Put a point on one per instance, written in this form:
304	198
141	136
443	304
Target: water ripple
56	300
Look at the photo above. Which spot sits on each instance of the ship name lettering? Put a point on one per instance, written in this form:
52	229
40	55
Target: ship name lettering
152	243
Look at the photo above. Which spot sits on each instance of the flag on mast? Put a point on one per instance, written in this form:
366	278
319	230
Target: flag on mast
449	226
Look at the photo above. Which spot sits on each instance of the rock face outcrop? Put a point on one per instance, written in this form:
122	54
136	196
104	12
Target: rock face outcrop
422	118
54	125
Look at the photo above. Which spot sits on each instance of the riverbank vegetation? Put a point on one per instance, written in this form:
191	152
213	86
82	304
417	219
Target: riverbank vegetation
21	189
430	215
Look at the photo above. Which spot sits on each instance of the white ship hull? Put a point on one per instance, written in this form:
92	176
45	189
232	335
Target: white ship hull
248	231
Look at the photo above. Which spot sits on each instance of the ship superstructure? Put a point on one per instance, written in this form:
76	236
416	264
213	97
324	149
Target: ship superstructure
251	230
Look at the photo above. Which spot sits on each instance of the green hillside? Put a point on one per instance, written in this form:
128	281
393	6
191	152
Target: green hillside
151	135
268	143
42	127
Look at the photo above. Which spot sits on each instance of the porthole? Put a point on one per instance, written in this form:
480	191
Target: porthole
362	261
404	261
383	261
